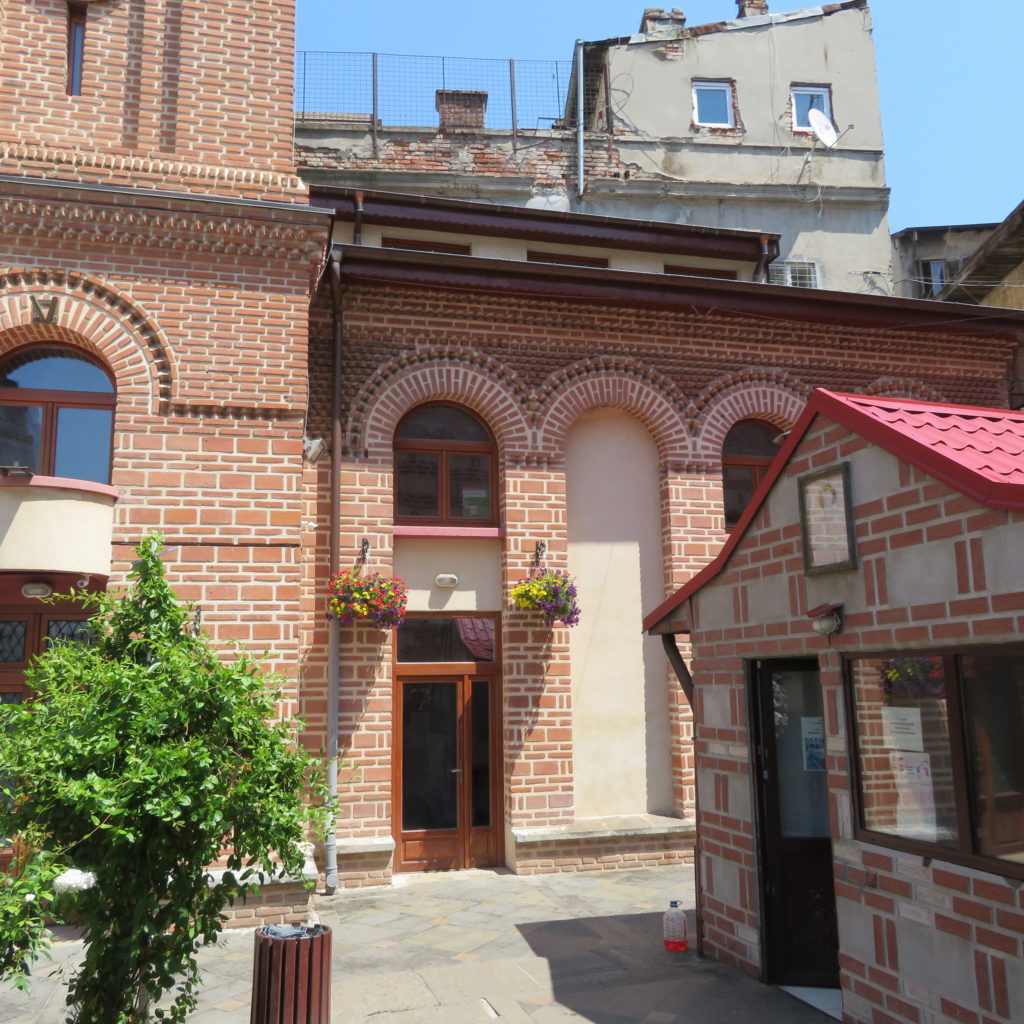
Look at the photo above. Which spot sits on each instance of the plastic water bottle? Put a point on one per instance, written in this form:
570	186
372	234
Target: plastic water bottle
674	926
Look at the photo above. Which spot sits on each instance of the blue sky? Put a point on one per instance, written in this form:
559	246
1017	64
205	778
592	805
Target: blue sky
949	73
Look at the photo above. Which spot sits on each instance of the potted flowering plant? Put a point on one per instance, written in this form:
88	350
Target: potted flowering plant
551	592
351	596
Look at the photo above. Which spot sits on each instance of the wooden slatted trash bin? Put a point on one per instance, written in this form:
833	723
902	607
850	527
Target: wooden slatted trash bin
291	975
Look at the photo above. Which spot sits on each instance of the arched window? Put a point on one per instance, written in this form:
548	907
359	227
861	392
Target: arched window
747	452
56	413
445	462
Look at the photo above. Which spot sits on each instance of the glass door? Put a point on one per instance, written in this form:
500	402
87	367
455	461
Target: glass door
447	749
800	930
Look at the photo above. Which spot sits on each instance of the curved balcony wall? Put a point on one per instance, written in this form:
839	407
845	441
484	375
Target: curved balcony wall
52	524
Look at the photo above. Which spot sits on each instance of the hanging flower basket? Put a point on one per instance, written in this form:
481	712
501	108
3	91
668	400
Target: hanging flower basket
381	599
550	592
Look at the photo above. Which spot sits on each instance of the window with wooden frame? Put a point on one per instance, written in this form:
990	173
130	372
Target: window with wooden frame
939	753
56	413
445	468
76	47
747	452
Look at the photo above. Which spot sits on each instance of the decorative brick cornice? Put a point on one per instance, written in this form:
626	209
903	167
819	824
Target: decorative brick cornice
213	233
239	178
796	393
903	387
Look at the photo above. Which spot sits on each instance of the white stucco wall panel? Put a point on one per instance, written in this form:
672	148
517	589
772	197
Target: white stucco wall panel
476	562
46	529
620	722
1004	558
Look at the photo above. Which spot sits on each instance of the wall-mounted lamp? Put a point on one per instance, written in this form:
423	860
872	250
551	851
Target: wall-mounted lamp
446	580
17	471
826	619
36	588
313	448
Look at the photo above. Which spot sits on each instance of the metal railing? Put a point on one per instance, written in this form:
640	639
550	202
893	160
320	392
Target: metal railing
389	90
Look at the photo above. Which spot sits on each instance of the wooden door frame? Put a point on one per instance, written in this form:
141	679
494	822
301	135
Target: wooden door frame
464	674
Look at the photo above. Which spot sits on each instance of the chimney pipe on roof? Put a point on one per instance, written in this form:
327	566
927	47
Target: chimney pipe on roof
658	23
751	8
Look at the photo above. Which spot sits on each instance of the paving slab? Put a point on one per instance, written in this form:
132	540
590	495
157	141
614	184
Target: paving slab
483	946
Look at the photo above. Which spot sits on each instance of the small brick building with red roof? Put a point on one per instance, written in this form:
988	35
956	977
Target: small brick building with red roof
858	693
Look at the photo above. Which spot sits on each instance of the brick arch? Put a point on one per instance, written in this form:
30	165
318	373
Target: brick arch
903	387
616	384
91	316
773	396
472	379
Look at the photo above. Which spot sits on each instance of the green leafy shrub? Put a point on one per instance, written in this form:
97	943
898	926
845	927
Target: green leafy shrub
144	757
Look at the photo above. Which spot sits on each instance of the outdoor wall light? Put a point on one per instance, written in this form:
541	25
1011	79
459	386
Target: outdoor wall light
36	588
446	580
826	619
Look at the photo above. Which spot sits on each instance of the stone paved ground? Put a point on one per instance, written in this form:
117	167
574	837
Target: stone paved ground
486	946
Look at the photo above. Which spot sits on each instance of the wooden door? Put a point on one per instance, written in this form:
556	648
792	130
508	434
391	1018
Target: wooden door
447	783
799	927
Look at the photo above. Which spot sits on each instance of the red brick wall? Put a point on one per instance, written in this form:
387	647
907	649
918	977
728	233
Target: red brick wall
161	105
896	906
529	368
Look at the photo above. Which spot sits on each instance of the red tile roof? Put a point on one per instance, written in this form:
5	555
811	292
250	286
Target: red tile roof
979	452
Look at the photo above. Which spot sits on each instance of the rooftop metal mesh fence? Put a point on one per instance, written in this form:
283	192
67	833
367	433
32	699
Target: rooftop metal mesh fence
400	91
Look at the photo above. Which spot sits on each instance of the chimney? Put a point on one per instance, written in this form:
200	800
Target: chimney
658	23
461	108
751	8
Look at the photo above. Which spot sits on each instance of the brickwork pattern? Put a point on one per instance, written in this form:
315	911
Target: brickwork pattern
971	921
155	110
602	855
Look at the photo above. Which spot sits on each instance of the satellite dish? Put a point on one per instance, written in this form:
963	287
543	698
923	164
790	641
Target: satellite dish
822	128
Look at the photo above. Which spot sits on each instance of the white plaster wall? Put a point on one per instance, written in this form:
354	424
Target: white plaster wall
476	562
620	722
46	529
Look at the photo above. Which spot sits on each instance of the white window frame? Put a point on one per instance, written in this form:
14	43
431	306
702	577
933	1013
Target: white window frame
721	85
824	91
787	269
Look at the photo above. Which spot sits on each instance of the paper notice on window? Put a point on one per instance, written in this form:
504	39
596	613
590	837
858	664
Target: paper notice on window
901	729
812	733
915	795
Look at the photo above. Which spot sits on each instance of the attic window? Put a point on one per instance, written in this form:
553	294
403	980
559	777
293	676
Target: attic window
566	259
806	98
713	104
426	245
795	273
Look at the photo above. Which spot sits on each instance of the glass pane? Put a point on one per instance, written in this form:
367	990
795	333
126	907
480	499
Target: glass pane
800	753
751	437
903	746
70	631
803	103
12	640
54	369
738	487
442	423
713	105
429	751
21	427
83	444
416	484
446	639
993	692
469	483
481	742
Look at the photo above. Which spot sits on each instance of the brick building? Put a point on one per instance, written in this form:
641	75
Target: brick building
158	259
858	681
621	413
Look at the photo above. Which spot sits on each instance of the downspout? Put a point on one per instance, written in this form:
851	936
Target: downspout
357	218
334	639
675	659
761	270
581	183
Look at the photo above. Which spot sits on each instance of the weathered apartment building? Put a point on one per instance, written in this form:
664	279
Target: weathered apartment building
497	386
706	125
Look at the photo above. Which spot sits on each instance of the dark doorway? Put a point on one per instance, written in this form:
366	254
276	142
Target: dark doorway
800	933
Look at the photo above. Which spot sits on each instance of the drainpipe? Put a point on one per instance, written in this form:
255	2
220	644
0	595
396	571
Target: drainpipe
675	658
357	219
334	641
581	183
761	270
